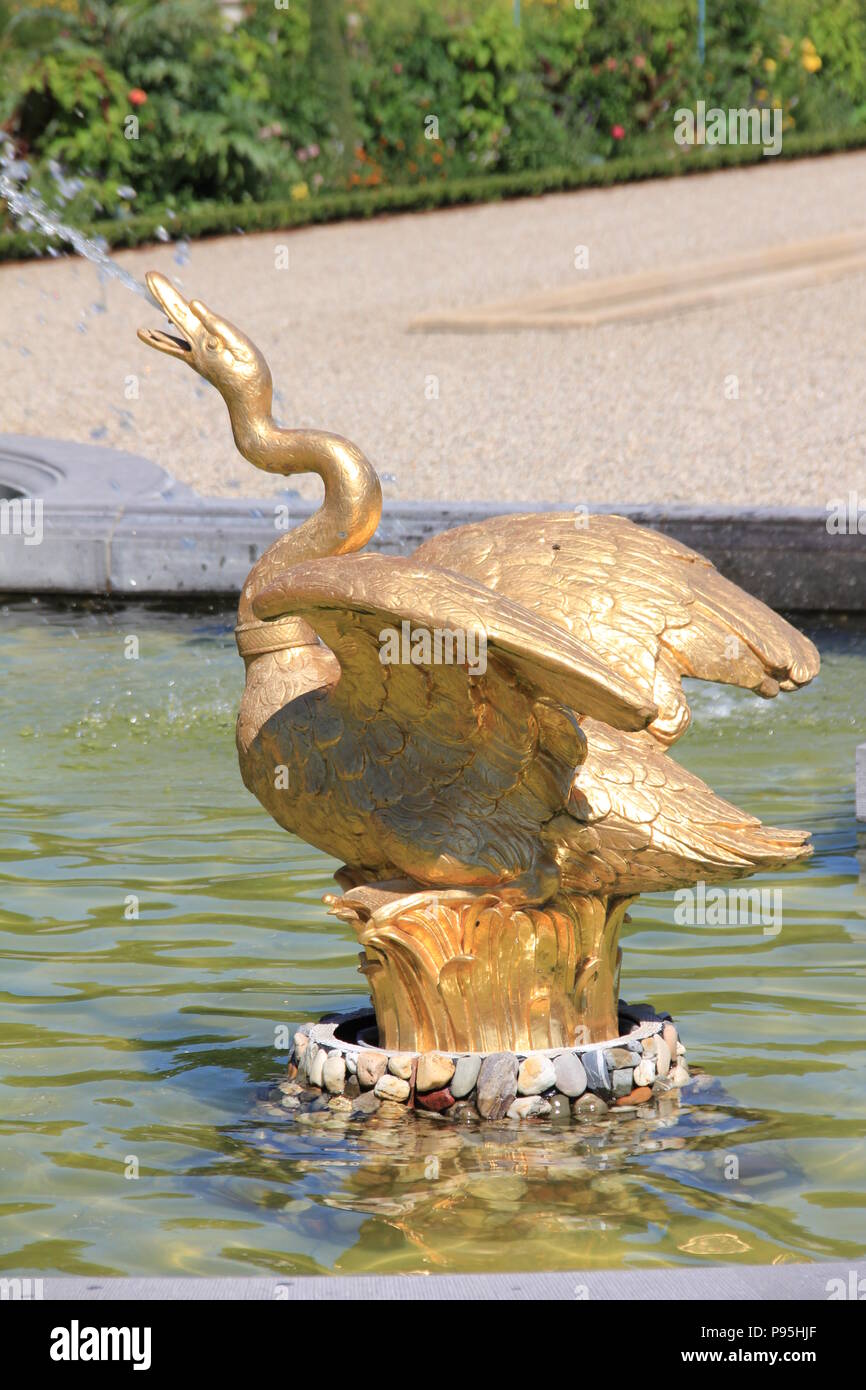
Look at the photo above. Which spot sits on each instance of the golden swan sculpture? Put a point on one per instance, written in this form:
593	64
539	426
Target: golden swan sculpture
494	825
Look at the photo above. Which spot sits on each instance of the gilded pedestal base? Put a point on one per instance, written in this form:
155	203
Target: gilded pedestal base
465	972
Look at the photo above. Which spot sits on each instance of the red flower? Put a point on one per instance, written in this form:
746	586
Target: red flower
618	132
137	96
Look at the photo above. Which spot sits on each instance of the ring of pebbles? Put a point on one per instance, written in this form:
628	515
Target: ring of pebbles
326	1071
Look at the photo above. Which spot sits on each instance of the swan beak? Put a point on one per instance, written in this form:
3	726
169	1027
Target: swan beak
179	313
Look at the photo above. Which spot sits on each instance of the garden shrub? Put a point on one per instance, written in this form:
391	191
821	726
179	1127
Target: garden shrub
389	93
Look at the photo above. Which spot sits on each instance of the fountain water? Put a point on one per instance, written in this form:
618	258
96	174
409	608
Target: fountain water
32	212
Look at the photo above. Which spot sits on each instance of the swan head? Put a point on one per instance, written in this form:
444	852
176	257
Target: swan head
212	346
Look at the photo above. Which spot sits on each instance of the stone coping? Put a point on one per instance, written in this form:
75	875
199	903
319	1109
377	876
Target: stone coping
796	1282
86	476
117	524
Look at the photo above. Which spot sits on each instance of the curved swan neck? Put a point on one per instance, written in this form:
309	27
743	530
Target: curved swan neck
352	505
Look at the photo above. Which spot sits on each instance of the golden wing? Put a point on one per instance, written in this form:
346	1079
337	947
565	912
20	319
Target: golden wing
654	610
424	768
638	822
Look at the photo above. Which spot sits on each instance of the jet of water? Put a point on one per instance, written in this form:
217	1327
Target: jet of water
30	210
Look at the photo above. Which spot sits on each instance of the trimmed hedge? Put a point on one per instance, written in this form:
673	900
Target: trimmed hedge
217	219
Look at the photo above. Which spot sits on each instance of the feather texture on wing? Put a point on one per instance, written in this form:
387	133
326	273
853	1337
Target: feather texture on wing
533	776
427	769
638	821
649	606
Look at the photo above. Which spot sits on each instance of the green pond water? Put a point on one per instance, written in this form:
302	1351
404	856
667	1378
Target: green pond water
149	1042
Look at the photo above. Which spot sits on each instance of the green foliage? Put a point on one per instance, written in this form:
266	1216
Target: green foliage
305	103
221	219
328	73
203	97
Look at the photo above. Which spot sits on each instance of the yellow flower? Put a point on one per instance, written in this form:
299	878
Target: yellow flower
811	62
300	190
769	65
807	46
762	94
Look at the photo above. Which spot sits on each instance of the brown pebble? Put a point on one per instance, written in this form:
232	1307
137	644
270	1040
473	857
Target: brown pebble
669	1033
635	1097
390	1087
464	1111
434	1100
401	1064
371	1066
588	1105
620	1057
435	1070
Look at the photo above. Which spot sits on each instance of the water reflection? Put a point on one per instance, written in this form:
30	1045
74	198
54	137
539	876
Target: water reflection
439	1193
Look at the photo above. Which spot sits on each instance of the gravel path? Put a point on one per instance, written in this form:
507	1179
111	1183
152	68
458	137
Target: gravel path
631	412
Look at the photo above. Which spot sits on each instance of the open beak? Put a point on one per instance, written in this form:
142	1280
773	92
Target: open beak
180	315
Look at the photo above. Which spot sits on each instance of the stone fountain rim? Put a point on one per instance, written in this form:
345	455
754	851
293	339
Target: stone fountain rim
578	1078
324	1034
118	524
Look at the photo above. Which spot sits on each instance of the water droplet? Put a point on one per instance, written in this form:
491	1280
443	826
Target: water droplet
31	213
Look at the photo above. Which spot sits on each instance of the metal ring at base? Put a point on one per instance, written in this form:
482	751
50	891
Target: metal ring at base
254	639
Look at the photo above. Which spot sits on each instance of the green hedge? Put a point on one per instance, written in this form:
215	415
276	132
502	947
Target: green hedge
219	219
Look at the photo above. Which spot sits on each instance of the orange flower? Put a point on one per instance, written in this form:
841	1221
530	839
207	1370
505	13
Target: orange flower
137	96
